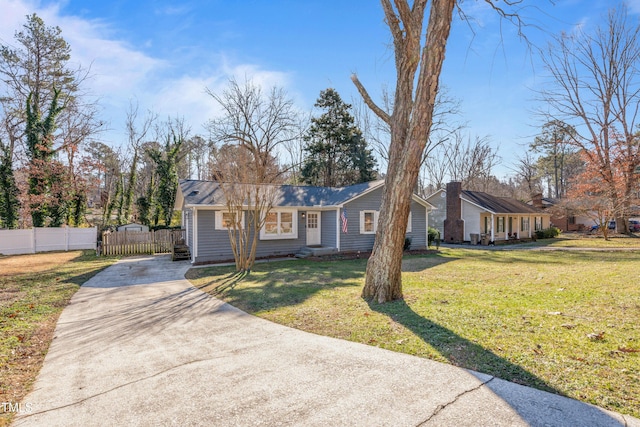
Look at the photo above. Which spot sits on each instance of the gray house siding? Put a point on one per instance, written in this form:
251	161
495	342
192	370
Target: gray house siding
214	245
354	241
418	232
328	229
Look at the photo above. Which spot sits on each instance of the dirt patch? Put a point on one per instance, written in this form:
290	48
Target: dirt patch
18	264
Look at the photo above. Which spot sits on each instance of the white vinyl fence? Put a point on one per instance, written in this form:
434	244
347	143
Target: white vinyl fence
32	240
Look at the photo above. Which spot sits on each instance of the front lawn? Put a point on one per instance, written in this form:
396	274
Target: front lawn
566	322
33	291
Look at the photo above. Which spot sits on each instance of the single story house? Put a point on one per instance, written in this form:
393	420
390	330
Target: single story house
340	219
561	216
474	216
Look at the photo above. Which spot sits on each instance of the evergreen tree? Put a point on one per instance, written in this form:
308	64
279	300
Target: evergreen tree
336	152
9	203
44	174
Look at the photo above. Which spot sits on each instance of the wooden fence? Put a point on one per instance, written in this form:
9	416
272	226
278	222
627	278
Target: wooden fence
140	242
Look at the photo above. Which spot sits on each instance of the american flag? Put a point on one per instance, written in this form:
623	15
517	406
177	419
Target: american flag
343	217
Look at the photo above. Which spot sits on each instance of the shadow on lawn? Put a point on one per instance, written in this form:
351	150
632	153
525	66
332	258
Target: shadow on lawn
458	350
290	283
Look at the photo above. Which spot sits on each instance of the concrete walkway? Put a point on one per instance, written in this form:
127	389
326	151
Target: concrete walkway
139	346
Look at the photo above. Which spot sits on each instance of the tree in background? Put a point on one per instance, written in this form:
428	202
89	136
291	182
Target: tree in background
104	164
166	160
36	76
137	133
255	125
45	178
9	202
594	87
557	151
336	153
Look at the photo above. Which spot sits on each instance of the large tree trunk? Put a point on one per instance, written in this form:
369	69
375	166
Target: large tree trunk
410	126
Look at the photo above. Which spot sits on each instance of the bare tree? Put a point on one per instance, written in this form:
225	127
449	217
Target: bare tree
137	132
410	124
527	173
251	129
418	68
472	162
595	86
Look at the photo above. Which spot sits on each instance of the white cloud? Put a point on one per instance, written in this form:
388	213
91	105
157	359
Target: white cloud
121	73
187	95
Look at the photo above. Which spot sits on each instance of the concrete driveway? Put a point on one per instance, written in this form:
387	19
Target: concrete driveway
139	346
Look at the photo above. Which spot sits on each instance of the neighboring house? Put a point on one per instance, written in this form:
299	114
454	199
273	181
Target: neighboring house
340	219
561	216
471	216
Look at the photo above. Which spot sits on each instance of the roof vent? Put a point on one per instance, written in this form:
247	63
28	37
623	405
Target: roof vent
194	193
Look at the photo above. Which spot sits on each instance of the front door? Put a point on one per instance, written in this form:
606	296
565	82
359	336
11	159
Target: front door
313	229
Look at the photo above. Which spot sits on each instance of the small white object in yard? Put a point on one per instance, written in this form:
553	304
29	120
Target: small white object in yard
596	336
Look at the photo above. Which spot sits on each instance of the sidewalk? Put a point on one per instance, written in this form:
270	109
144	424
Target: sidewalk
139	346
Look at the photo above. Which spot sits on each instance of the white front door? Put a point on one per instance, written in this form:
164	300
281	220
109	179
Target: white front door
313	229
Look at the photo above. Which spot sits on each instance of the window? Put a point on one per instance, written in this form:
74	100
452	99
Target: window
286	222
487	230
500	224
537	223
280	224
524	224
368	222
224	220
271	224
409	223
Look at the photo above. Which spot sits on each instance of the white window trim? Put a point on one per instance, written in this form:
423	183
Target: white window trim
409	223
218	220
280	235
375	221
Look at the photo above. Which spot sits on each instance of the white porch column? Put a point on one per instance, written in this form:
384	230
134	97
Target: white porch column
493	229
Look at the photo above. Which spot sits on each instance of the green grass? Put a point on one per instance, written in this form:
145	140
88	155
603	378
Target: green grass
580	240
521	315
33	291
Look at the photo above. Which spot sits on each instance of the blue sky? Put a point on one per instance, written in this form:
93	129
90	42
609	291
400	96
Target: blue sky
164	54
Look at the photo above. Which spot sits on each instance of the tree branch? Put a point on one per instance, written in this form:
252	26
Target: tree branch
367	99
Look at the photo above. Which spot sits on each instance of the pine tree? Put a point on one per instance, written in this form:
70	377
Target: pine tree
336	152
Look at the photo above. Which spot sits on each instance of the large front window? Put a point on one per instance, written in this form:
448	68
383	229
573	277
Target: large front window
280	225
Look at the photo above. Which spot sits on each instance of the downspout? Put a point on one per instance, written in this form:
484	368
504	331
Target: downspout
194	253
338	227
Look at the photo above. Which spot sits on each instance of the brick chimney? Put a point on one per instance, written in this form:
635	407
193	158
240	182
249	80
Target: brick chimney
536	201
454	224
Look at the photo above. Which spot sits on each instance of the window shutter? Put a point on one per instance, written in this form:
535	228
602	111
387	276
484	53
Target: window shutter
361	222
375	221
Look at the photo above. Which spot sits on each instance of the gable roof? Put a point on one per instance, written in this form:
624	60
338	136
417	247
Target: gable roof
498	205
209	193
